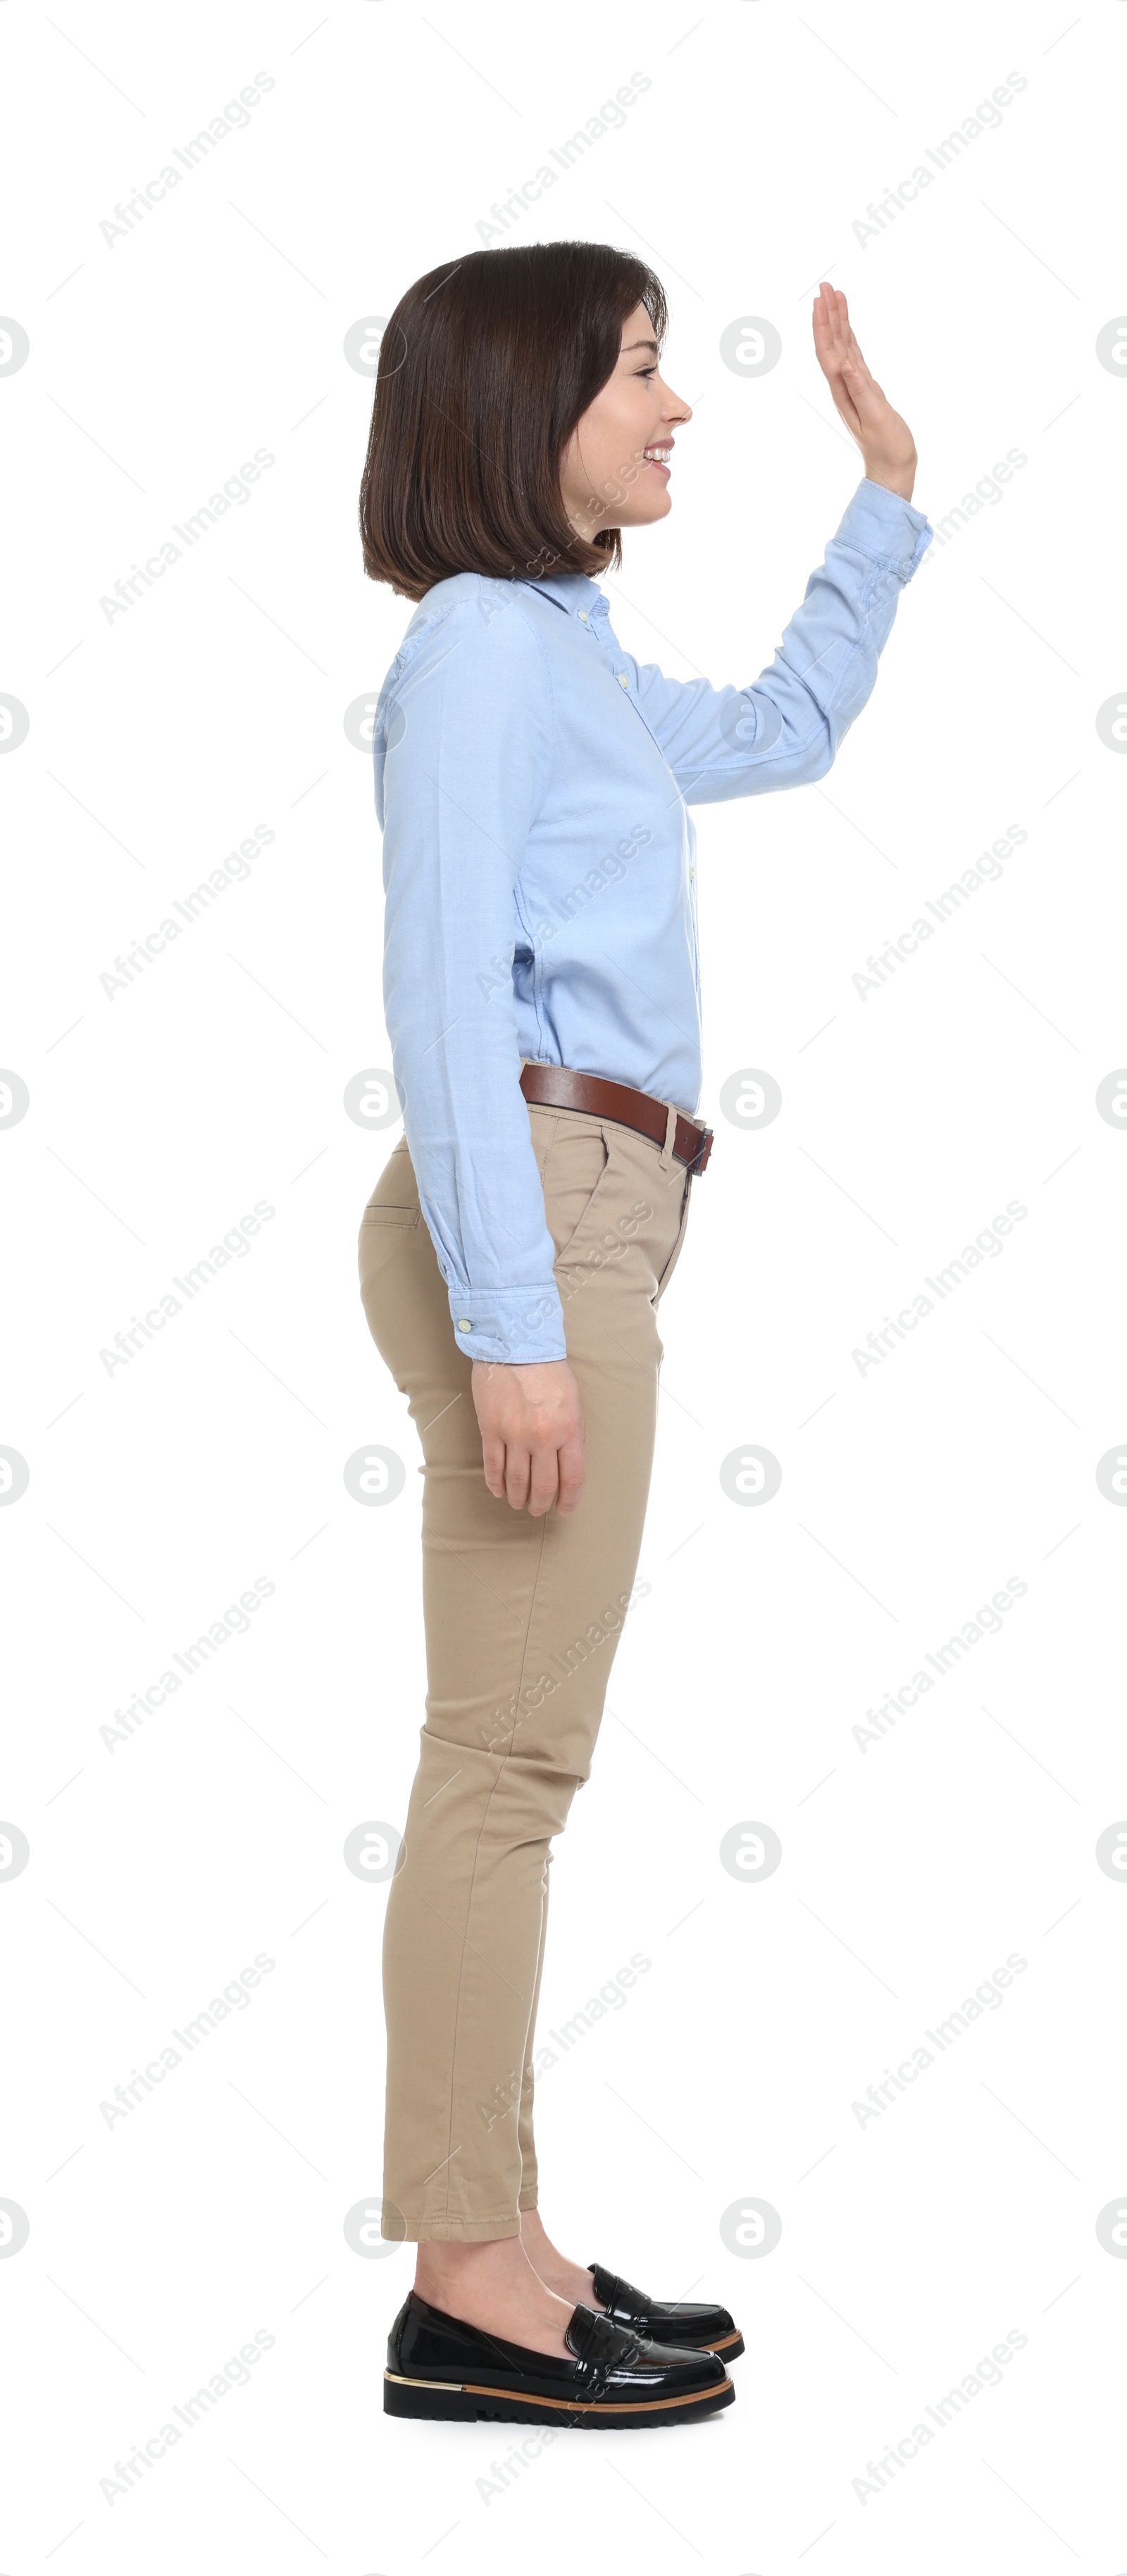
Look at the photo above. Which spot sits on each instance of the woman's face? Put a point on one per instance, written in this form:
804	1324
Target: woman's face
615	468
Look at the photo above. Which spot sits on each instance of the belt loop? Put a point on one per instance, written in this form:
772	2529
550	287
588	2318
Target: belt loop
670	1133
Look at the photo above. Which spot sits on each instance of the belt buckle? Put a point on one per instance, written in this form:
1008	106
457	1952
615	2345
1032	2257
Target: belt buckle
700	1158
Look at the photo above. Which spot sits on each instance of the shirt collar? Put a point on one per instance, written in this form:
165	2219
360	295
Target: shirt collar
570	590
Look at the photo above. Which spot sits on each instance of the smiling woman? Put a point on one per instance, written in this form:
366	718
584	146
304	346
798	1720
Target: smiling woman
486	368
616	462
543	1008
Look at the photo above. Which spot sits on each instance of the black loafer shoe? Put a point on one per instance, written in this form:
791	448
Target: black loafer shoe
439	2367
680	2322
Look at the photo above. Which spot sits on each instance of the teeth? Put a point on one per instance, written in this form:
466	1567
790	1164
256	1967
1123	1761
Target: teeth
658	455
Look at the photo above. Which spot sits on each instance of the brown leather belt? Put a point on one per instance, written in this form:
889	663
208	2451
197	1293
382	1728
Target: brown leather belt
554	1086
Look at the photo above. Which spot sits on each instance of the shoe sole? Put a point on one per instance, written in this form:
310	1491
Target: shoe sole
468	2401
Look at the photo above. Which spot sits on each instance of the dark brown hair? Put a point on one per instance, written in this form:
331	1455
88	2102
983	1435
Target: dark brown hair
485	367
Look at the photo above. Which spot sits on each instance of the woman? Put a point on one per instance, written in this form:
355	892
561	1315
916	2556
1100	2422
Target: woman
542	997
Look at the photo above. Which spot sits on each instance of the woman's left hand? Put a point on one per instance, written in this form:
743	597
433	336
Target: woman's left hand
885	441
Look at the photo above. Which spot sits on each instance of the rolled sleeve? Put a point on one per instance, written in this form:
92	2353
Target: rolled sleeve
885	528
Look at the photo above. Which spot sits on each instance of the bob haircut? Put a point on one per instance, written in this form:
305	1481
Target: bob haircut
485	367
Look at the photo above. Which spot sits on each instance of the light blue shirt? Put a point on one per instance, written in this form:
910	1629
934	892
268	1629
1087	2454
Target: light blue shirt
533	782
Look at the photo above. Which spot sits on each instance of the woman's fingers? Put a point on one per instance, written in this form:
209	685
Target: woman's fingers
857	396
856	370
531	1423
841	387
823	327
572	1473
858	374
867	396
832	341
823	335
518	1476
838	316
837	335
493	1461
828	332
544	1482
531	1480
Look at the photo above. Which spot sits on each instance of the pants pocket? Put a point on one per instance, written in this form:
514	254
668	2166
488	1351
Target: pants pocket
383	1234
574	1176
675	1255
396	1194
392	1216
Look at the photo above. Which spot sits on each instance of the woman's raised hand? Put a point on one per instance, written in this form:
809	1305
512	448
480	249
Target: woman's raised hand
885	441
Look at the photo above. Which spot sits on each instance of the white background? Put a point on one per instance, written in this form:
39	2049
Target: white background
162	1863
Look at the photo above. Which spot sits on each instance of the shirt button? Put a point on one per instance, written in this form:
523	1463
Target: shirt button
582	616
623	682
464	1324
692	875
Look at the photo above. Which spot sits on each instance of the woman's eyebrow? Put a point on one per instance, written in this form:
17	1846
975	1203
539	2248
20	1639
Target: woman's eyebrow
638	344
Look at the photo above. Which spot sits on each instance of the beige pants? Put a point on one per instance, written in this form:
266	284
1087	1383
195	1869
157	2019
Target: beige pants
522	1621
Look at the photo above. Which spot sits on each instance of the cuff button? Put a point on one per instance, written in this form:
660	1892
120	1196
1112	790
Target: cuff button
464	1324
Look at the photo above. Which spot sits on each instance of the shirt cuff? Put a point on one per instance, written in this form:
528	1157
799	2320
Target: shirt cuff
886	528
518	1325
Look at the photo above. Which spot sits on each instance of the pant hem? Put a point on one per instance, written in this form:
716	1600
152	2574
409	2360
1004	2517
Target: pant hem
443	2231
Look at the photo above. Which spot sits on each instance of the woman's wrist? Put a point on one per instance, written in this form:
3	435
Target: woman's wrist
900	479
